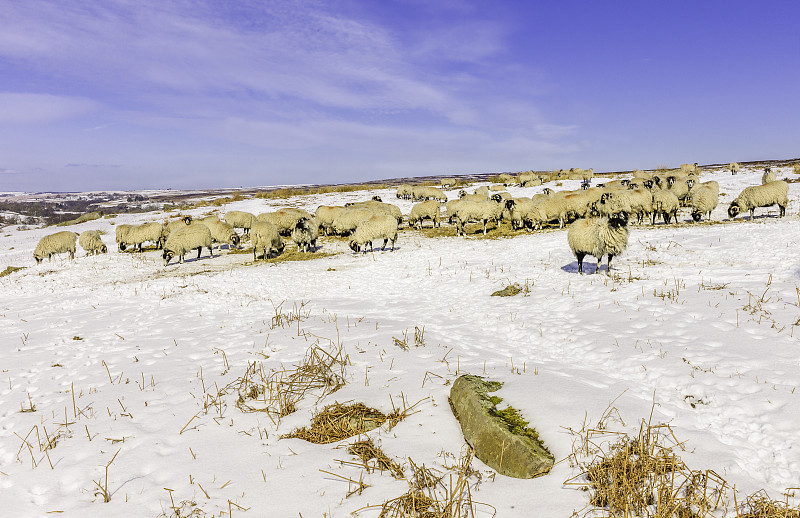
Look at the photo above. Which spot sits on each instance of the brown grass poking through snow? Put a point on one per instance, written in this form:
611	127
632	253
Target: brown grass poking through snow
367	450
339	421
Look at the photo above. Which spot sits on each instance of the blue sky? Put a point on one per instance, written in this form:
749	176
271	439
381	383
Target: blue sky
123	94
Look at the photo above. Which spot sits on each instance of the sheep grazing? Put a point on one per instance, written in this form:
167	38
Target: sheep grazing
222	233
768	176
284	219
240	219
325	216
178	223
404	191
265	238
480	211
521	211
599	237
734	167
424	192
305	234
347	221
58	243
136	235
378	207
426	210
91	241
380	226
704	200
766	195
666	204
448	183
185	239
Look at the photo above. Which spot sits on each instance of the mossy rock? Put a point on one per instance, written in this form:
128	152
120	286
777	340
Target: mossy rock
508	291
500	438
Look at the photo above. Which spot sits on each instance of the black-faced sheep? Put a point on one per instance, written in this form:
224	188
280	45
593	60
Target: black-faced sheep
599	237
185	239
305	235
265	238
58	243
426	210
768	176
284	219
222	233
704	199
137	235
381	226
766	195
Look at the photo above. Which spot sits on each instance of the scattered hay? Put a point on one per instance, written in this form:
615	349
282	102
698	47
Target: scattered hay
278	392
642	476
367	451
11	269
338	421
436	494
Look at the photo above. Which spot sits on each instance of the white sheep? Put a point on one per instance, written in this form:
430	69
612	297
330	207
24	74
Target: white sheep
222	233
325	216
240	219
426	192
704	200
734	167
449	183
58	243
689	168
284	219
480	211
768	176
666	204
426	210
378	207
524	178
521	211
137	235
506	179
91	241
599	237
172	225
766	195
265	237
379	226
450	209
185	239
680	187
548	209
305	234
405	191
346	222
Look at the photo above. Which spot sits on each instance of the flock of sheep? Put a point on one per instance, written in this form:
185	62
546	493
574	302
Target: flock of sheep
599	216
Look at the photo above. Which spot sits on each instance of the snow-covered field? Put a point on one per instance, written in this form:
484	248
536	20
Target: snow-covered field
115	358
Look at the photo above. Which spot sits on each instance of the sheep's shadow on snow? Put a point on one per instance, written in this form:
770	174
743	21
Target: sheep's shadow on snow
588	268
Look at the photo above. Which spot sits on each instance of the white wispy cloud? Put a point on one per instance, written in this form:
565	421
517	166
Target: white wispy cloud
38	108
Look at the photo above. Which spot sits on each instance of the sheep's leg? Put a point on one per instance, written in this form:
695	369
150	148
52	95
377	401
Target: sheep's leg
752	213
385	240
211	250
254	254
783	210
199	251
580	256
484	226
608	265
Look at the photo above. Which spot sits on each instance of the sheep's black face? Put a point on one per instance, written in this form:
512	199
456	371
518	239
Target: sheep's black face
38	259
236	240
510	204
648	184
187	220
497	198
167	256
690	183
624	182
696	215
733	210
122	247
348	204
302	224
354	246
620	219
633	185
605	197
377	198
670	181
547	191
104	249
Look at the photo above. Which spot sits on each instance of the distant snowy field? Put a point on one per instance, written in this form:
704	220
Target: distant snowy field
118	354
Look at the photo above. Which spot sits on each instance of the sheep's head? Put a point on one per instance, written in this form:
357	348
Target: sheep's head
697	215
235	240
633	185
497	198
354	246
593	210
38	258
103	249
122	247
349	204
302	224
605	197
734	209
648	184
624	182
510	204
657	179
671	181
547	191
167	255
619	219
462	193
187	220
690	183
377	198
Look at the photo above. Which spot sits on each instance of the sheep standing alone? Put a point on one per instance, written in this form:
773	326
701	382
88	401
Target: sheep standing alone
305	234
766	195
704	200
240	219
599	237
185	239
91	241
58	243
381	226
426	210
265	237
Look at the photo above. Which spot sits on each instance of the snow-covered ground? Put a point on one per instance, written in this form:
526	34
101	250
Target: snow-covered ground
119	358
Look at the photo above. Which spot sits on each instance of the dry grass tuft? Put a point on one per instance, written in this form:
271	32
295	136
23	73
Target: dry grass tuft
288	192
760	505
338	421
278	392
436	494
11	269
367	451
